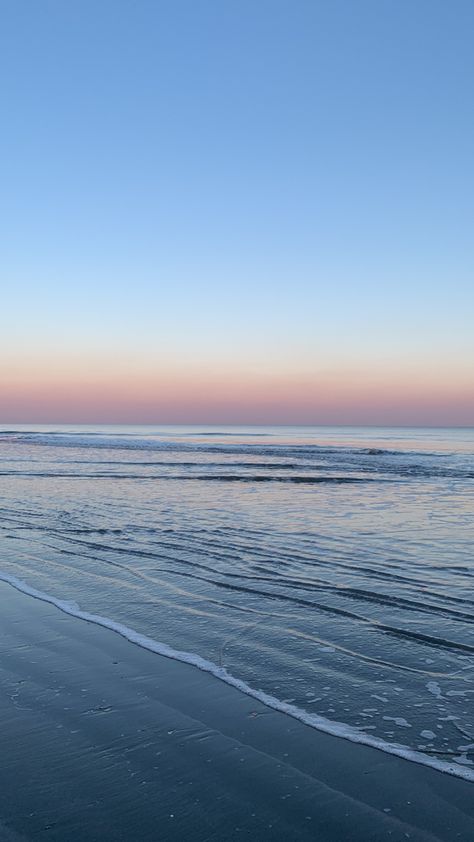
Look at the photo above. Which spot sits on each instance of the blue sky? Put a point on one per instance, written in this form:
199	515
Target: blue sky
271	186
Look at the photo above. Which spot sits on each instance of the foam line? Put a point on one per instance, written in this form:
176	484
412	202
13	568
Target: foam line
320	723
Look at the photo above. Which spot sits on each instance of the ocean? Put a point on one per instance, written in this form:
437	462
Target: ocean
326	571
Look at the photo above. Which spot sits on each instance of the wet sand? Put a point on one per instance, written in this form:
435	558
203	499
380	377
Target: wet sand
102	740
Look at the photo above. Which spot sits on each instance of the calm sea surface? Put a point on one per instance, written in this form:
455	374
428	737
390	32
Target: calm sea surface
328	571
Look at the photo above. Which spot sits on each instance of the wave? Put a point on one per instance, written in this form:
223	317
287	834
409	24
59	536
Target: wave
131	441
319	723
220	434
244	478
403	462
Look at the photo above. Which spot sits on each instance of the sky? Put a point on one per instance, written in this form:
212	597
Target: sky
250	211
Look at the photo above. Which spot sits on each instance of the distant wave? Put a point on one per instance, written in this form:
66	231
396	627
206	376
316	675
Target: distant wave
243	478
378	451
320	723
336	459
198	435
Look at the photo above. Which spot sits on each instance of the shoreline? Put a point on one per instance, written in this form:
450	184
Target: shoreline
319	723
140	741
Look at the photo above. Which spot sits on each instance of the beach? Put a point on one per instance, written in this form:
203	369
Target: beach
239	633
237	422
103	740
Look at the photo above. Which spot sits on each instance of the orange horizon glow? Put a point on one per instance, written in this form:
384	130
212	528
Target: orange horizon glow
98	392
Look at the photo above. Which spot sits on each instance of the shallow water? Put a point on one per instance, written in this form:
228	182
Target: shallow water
330	569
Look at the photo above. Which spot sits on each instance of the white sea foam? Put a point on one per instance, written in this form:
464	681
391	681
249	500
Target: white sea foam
320	723
435	689
399	720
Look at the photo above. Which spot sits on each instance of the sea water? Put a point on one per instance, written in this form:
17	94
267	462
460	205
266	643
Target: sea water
326	571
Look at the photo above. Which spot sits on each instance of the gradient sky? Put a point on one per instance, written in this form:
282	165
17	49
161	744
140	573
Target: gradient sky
244	211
